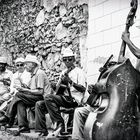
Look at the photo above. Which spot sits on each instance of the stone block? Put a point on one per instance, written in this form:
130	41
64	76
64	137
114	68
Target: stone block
112	35
103	23
118	19
91	27
95	40
97	2
111	6
95	12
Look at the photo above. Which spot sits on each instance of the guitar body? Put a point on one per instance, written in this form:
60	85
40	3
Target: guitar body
119	120
61	89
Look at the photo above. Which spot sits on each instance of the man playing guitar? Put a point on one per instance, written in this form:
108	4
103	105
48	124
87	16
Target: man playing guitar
74	79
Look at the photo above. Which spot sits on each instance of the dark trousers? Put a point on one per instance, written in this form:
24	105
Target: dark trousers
53	104
40	120
19	105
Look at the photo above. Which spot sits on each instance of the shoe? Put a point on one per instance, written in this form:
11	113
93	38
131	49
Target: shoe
41	134
8	125
53	135
69	129
22	130
62	129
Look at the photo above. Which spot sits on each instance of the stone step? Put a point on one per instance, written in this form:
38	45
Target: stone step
7	134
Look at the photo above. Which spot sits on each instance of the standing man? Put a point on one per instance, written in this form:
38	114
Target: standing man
38	87
5	80
135	51
75	81
132	47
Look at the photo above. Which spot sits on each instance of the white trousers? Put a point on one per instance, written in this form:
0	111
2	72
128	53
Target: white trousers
80	116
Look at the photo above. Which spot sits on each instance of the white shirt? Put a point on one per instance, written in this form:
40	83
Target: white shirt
25	77
77	76
5	75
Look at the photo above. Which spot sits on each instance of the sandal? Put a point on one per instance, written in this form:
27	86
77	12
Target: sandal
53	134
42	134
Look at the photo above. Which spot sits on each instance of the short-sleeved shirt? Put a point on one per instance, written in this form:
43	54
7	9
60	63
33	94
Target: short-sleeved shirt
77	76
39	80
5	75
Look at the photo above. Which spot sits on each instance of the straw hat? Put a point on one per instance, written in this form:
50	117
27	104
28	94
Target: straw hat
32	58
67	52
3	60
20	59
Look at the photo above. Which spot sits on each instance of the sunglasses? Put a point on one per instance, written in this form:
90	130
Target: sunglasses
20	65
67	59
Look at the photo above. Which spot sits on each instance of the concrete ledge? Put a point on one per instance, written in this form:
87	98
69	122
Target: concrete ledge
7	134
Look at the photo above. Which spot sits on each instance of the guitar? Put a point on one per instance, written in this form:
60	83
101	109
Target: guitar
60	88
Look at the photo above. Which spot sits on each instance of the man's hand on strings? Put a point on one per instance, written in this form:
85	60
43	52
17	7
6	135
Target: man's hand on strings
101	69
66	79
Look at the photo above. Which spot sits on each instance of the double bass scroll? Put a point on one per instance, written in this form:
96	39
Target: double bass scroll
129	23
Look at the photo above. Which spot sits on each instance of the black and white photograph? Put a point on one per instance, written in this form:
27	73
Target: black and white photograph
69	69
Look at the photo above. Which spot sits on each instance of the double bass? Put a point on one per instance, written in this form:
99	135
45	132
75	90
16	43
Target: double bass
119	120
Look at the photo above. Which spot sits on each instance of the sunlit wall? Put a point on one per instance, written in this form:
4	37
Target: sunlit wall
106	23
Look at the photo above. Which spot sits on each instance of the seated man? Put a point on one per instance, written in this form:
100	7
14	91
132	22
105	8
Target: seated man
81	113
74	79
21	77
5	80
38	87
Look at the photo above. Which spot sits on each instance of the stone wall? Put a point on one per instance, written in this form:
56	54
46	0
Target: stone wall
106	23
44	27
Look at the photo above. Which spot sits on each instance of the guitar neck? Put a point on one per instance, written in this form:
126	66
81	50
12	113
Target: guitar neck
60	80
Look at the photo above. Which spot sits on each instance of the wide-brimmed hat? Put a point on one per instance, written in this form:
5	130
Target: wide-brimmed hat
32	58
20	60
67	52
3	60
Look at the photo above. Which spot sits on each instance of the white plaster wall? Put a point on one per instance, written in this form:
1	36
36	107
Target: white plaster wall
106	23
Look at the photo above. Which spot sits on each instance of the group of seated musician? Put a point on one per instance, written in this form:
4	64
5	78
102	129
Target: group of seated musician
30	87
36	91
